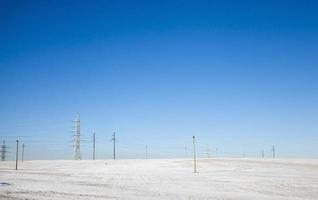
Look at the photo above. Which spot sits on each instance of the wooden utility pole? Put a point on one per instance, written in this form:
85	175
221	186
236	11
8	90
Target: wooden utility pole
274	153
263	154
114	148
94	146
17	156
194	157
22	152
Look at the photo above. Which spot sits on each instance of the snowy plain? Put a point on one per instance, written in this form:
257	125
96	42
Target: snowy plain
217	178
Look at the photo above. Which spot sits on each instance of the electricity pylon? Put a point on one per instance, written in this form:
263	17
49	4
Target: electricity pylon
3	151
274	151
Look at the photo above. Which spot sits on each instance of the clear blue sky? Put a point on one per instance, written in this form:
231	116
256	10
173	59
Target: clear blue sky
240	75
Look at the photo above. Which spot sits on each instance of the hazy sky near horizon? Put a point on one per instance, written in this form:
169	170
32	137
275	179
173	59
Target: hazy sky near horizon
240	75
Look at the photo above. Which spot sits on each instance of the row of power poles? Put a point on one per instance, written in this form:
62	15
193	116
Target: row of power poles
195	157
146	149
78	153
114	151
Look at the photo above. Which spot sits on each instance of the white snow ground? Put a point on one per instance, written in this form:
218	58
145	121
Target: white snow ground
160	179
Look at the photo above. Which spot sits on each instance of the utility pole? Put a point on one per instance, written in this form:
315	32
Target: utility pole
94	146
16	156
22	152
194	156
263	154
146	152
273	150
77	138
207	151
114	148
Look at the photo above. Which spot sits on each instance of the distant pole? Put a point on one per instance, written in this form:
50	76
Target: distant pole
16	156
22	152
93	146
274	153
114	148
146	152
194	156
263	154
207	151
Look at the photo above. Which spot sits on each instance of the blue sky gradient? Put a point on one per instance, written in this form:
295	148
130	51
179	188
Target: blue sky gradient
240	75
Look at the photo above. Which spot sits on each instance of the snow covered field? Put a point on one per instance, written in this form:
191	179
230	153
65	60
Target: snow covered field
161	179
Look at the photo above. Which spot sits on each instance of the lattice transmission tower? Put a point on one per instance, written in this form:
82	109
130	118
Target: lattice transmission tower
3	151
77	138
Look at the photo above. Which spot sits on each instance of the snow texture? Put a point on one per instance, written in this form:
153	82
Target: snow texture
218	178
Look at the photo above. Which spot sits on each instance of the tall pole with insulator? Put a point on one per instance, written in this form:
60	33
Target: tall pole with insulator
194	157
17	156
